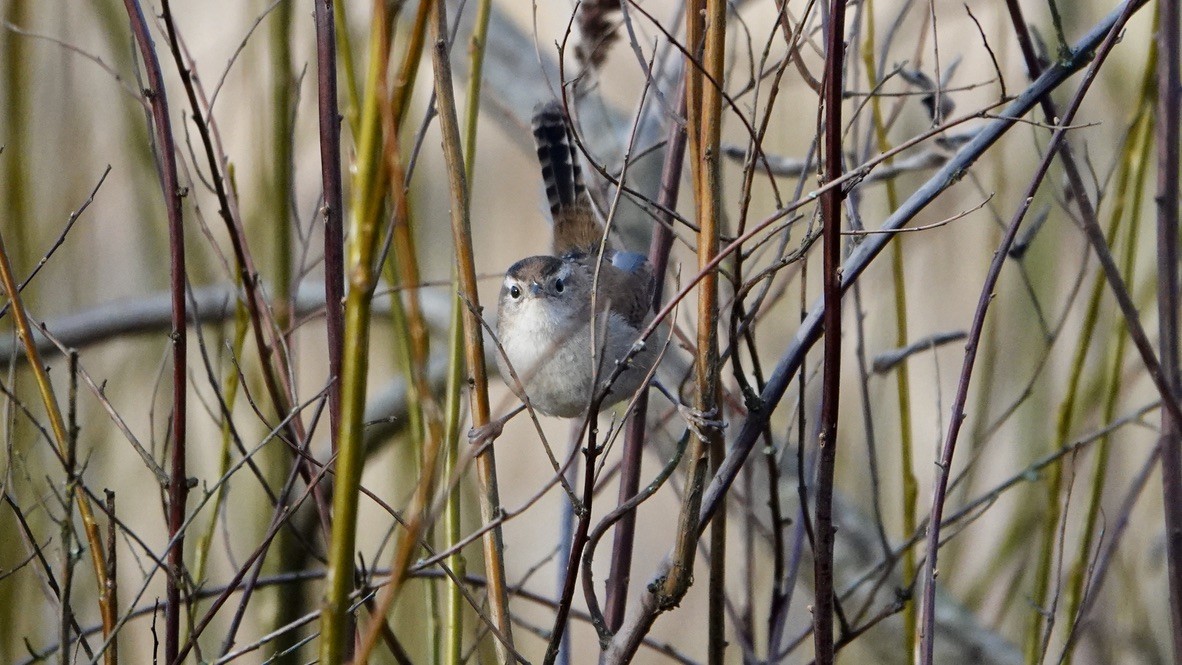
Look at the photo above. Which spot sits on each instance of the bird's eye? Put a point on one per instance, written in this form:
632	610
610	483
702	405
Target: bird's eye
514	292
559	286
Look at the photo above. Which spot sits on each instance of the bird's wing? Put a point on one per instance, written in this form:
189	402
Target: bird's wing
627	280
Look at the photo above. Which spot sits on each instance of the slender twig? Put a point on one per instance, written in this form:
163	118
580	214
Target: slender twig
944	465
61	238
1001	81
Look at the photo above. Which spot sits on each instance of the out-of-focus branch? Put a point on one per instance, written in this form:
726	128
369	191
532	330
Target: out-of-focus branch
887	360
150	314
1169	91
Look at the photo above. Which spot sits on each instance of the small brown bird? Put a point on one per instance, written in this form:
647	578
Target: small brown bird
562	332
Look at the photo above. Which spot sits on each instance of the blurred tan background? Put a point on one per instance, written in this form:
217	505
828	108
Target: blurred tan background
64	118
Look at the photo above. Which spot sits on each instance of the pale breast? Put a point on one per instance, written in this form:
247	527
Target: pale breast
555	366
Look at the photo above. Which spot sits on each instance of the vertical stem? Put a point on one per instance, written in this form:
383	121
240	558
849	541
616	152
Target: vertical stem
475	80
282	144
684	546
452	514
486	470
902	377
66	617
110	583
178	486
16	189
620	573
344	52
708	384
1169	90
831	374
330	173
454	627
335	634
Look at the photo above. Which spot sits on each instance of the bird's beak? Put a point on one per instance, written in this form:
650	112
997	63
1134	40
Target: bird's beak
535	289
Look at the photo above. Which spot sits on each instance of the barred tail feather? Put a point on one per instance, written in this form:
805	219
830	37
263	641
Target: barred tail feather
576	227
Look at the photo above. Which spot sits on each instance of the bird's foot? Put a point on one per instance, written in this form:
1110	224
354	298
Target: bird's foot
485	434
699	421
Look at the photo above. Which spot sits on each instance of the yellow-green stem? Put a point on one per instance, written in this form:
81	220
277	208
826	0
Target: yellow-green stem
282	144
902	379
403	84
363	223
230	393
16	191
452	514
349	72
1135	148
1138	156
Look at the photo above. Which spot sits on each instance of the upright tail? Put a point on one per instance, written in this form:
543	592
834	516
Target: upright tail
576	228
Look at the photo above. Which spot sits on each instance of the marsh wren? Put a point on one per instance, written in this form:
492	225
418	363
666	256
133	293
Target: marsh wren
563	330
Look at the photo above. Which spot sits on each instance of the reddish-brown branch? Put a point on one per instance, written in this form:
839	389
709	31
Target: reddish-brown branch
831	375
620	572
1169	90
330	174
178	485
271	349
